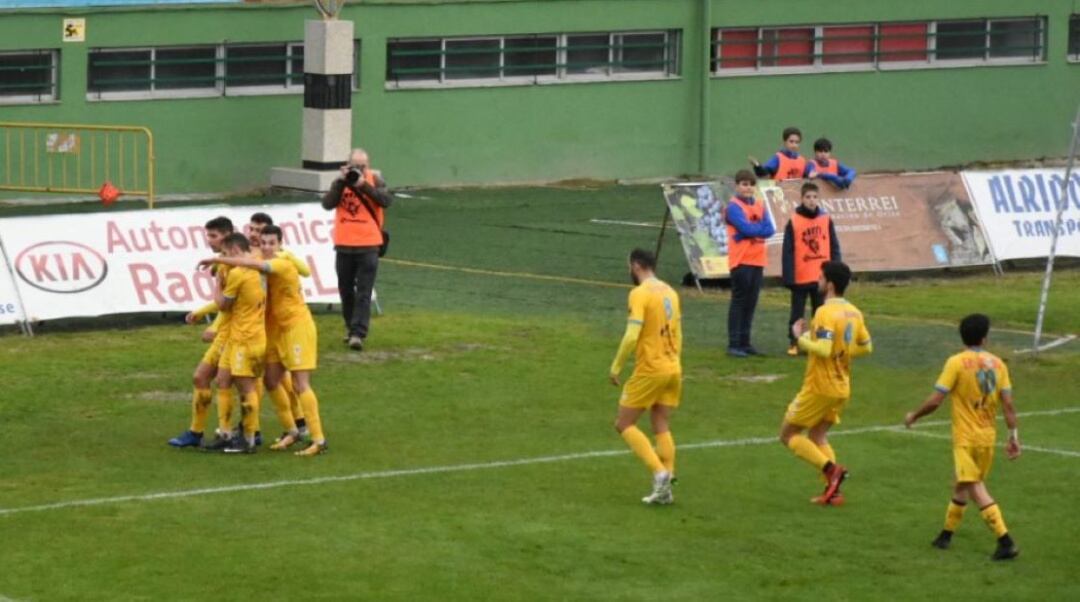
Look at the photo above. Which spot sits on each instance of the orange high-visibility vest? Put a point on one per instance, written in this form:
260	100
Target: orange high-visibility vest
748	251
788	168
353	226
812	246
832	166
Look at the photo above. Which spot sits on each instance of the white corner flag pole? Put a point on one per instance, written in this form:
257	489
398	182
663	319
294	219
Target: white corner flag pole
1057	227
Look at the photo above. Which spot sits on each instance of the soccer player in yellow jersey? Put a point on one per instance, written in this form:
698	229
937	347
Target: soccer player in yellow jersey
837	334
292	340
244	296
256	223
977	382
216	231
654	335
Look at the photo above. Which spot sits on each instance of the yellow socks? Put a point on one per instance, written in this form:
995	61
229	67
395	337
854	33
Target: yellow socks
954	514
249	413
831	455
225	403
803	447
200	407
644	450
294	399
310	403
281	406
992	515
665	450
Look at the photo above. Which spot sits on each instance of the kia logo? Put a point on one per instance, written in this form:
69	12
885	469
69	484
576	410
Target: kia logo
61	266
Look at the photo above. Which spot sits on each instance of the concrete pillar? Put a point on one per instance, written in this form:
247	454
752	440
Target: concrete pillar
327	118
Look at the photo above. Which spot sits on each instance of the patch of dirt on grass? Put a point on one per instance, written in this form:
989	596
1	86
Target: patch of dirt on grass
409	354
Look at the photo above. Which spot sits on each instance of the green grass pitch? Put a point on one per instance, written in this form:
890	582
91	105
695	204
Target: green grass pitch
472	453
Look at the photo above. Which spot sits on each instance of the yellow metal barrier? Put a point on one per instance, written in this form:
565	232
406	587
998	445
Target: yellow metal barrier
71	158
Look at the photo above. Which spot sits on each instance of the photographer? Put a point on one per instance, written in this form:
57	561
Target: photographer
358	198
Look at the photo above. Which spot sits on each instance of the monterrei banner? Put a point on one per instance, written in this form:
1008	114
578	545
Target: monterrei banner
894	223
1018	209
143	261
884	223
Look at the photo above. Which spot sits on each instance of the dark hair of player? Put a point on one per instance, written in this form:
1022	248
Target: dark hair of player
807	187
643	258
745	175
236	240
838	273
974	328
273	231
823	144
789	132
262	218
220	224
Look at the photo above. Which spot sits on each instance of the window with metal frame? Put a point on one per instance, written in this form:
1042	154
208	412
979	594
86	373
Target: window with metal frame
531	59
1074	38
816	48
199	71
264	66
29	76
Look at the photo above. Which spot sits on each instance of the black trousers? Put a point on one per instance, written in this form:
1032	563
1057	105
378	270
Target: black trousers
356	278
799	293
745	287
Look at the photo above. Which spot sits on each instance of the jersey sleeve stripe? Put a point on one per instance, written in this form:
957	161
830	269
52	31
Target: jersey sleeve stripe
941	388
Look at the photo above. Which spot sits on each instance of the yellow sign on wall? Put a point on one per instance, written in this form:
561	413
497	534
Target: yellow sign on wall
74	30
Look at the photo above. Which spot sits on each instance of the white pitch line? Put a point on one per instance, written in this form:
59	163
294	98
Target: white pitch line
619	222
1056	343
405	472
1024	447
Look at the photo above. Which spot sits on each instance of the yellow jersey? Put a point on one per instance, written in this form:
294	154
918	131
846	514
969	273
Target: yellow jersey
247	316
286	297
974	380
655	306
841	323
220	324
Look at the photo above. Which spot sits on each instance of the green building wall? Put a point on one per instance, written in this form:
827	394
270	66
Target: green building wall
878	120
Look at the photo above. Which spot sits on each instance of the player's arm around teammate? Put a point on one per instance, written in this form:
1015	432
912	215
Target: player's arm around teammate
294	345
654	335
244	295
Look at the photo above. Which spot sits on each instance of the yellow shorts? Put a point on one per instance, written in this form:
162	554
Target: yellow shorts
296	347
213	352
244	359
809	409
272	334
972	463
643	391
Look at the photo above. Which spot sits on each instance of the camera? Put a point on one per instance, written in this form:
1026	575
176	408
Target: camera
352	175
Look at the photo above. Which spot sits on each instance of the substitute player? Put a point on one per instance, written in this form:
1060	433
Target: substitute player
654	334
217	334
244	296
837	334
977	382
292	339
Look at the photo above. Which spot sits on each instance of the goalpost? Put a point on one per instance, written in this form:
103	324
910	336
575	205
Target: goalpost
1057	227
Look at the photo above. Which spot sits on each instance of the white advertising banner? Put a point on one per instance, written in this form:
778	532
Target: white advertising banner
144	261
1017	209
9	300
